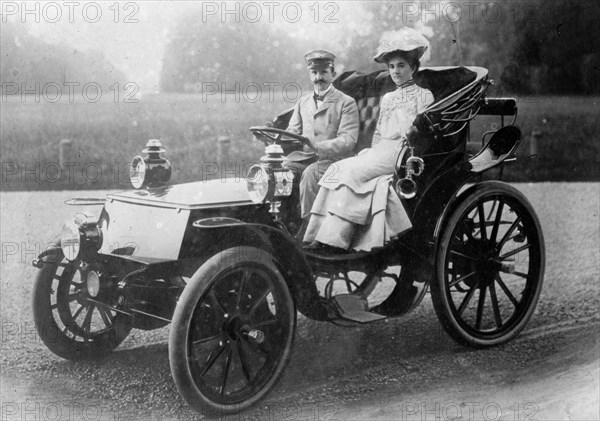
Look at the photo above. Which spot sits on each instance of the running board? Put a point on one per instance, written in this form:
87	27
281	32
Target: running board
355	308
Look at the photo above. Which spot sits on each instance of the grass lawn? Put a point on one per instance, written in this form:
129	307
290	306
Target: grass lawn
107	134
568	139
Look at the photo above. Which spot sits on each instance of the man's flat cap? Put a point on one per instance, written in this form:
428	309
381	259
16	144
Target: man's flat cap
319	59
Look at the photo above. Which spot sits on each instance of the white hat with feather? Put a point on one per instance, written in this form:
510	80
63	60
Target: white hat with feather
404	39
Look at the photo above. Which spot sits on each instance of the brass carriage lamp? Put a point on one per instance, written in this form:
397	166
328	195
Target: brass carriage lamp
269	181
151	170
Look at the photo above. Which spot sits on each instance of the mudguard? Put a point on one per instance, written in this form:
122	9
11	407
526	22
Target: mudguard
52	254
287	255
456	200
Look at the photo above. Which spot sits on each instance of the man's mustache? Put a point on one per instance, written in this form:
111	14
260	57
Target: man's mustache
319	81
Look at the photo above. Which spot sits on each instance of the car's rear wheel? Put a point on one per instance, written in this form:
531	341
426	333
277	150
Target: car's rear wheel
490	266
232	331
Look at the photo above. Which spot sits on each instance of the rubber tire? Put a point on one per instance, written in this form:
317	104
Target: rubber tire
51	334
200	282
439	297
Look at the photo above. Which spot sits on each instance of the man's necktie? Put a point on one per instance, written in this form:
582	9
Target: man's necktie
318	98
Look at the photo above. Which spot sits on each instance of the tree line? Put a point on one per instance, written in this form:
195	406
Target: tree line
532	47
535	47
31	65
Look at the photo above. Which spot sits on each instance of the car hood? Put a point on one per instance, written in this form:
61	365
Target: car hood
195	195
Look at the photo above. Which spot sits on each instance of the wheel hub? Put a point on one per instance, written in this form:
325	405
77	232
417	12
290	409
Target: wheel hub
232	325
486	265
236	328
93	283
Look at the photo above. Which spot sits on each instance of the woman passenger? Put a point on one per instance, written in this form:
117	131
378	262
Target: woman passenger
356	207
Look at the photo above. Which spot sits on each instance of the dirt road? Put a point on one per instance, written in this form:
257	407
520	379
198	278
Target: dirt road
404	369
391	372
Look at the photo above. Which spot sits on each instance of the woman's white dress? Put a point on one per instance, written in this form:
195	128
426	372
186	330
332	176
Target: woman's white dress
356	206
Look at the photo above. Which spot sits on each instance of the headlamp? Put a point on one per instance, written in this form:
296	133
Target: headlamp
137	174
269	180
70	240
152	170
81	233
257	183
267	184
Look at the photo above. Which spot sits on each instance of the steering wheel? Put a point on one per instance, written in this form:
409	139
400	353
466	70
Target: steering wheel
272	135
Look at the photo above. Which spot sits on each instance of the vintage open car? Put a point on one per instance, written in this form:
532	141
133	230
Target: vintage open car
220	261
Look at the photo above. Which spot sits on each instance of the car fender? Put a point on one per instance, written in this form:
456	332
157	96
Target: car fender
287	255
52	254
454	202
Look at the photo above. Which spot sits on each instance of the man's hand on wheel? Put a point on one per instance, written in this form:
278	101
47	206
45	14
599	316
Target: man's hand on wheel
309	147
261	137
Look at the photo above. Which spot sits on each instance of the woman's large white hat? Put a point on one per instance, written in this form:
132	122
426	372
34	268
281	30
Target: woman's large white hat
404	39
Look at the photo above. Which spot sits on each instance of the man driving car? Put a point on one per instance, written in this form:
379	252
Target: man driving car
329	119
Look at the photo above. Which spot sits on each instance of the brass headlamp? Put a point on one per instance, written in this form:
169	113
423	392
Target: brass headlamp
269	181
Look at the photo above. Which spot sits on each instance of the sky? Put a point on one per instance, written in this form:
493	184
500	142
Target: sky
133	35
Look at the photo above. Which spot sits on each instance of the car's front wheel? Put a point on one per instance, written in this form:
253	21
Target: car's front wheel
232	331
69	321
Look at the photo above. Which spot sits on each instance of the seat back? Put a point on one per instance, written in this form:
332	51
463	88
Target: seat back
367	90
368	112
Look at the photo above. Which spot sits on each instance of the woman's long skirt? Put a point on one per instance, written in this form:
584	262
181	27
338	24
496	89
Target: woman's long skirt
356	206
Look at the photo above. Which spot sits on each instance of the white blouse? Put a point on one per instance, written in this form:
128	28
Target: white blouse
398	110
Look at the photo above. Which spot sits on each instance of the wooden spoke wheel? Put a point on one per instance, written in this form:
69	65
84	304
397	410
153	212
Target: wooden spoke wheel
232	331
72	326
490	266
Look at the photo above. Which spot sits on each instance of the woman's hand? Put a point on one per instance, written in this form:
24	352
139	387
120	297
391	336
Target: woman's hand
412	134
